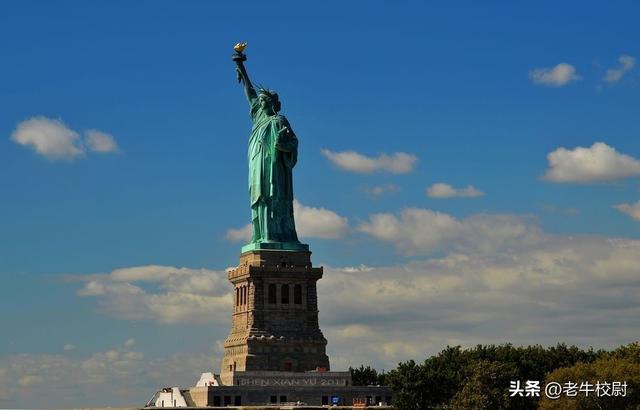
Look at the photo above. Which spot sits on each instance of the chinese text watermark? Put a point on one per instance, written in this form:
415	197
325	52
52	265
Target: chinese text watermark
555	390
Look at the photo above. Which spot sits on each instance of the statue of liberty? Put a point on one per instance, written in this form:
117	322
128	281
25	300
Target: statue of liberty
272	154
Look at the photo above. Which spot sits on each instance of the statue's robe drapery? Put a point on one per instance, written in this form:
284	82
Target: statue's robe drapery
273	152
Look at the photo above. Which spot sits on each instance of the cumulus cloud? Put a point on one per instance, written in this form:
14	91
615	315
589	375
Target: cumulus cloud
597	163
442	190
311	222
164	294
116	376
554	209
320	223
49	138
626	63
54	140
633	210
396	163
30	380
354	331
581	290
482	279
558	76
98	141
377	191
416	231
68	347
242	234
5	389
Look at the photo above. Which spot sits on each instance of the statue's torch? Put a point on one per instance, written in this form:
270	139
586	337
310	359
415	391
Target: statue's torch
239	56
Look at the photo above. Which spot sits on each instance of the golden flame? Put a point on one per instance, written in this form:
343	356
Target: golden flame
239	47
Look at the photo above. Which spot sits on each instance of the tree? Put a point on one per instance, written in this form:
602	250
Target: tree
442	377
486	387
446	373
624	368
409	388
630	353
366	376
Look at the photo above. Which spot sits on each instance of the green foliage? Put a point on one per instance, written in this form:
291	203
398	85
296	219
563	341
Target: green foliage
407	383
620	365
443	376
629	353
486	387
479	377
366	376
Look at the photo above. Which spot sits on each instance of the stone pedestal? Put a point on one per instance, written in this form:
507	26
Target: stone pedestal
281	390
275	315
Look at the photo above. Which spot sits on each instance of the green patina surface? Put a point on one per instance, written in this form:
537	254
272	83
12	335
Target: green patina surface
285	246
272	155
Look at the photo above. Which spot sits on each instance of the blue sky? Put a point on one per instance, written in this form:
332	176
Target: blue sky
481	95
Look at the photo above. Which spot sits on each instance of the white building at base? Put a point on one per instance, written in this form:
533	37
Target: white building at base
168	397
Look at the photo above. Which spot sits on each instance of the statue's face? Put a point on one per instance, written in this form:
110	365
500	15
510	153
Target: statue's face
265	102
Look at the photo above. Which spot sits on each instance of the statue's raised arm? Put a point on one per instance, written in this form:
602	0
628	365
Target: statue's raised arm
239	57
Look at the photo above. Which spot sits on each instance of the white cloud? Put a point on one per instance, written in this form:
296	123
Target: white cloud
396	163
377	191
558	76
242	234
633	210
5	390
442	190
319	222
354	331
581	290
30	380
54	140
415	229
614	75
311	222
554	209
178	295
422	231
482	279
99	141
49	138
116	376
68	347
597	163
360	268
129	343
